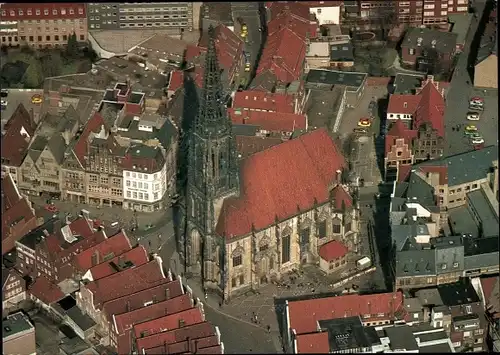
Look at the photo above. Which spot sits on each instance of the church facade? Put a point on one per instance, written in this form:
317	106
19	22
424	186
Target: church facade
248	222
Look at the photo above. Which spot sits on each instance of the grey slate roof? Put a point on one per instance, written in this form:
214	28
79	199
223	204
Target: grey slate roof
82	320
352	80
31	239
481	208
481	252
36	148
445	42
343	52
264	81
449	258
420	191
429	296
468	166
166	134
457	293
57	146
416	263
401	338
245	130
405	84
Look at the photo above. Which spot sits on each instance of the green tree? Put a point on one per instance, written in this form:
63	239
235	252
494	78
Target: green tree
72	47
52	64
33	76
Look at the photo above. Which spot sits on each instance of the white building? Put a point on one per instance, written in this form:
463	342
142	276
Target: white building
327	12
144	178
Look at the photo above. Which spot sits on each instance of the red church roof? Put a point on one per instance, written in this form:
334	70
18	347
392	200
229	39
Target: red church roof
277	182
398	131
333	250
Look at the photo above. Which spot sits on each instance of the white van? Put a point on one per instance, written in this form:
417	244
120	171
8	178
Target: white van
114	224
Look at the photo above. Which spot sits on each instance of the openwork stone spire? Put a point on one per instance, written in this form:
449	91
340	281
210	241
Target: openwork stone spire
212	119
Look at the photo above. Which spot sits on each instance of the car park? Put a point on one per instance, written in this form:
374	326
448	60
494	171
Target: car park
473	116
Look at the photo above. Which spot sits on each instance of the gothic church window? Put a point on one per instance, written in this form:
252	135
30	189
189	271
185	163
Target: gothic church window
285	249
322	229
304	235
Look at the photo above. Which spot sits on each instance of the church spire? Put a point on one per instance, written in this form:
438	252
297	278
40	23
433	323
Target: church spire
212	114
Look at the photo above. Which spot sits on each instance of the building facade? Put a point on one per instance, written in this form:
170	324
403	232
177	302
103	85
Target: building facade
144	178
42	25
19	335
13	289
136	16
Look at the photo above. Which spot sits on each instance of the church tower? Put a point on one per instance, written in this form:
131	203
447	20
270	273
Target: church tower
213	175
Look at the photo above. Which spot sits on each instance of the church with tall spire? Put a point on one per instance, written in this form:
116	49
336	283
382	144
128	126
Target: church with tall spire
247	222
212	175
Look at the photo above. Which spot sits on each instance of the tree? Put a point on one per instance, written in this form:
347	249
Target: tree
72	48
52	64
33	76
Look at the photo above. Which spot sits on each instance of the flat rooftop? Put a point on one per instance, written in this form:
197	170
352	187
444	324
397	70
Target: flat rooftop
352	80
14	324
481	207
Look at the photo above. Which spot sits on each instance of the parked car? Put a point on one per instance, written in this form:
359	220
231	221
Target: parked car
4	93
364	122
476	107
473	116
477	140
479	101
359	130
51	208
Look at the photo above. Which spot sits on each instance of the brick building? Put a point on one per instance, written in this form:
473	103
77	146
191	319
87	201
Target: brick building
42	25
18	336
18	217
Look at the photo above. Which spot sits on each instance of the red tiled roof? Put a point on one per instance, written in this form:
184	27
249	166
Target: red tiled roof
126	282
137	256
340	195
115	245
248	145
94	124
427	106
441	170
399	131
229	47
333	250
314	343
126	321
200	330
284	55
10	193
46	291
17	221
192	52
295	9
172	321
82	226
269	121
304	315
19	131
176	80
258	100
304	29
137	299
278	181
403	104
218	349
330	3
190	346
491	286
404	172
37	11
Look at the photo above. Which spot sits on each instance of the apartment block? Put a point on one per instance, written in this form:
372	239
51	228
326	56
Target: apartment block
42	25
133	16
18	335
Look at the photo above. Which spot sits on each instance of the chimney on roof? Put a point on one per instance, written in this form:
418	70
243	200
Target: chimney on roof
95	258
369	307
165	345
182	323
339	176
46	233
128	306
188	340
167	293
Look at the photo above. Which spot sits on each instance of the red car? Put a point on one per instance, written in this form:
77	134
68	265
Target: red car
51	208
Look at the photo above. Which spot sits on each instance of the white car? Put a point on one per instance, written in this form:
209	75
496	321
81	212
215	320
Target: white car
4	102
473	116
477	140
